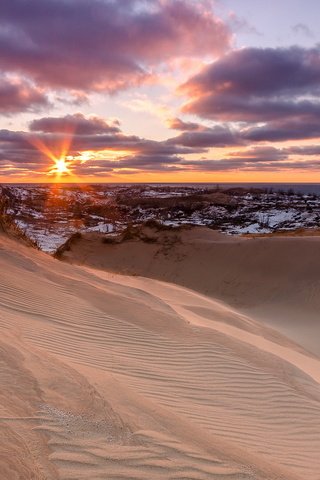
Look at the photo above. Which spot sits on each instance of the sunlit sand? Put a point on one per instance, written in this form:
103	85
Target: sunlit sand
121	377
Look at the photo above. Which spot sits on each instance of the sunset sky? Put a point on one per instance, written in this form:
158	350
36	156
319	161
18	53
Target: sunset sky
159	91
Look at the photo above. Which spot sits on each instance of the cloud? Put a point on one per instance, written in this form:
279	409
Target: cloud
309	150
84	134
103	45
236	165
109	151
260	154
20	96
257	85
130	164
240	24
280	131
178	124
302	29
244	160
76	123
217	136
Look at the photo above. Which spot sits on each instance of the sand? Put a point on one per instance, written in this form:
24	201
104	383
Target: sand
107	376
274	279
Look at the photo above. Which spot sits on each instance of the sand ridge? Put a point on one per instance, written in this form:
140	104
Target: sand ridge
275	279
111	377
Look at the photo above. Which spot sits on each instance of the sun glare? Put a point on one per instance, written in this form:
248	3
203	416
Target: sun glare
61	162
61	166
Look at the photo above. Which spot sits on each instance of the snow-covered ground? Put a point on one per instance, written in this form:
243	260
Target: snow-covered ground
49	215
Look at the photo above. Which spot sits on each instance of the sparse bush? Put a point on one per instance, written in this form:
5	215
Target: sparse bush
152	223
67	245
112	240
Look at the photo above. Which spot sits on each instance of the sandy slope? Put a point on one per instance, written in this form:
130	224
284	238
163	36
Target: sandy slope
276	280
111	377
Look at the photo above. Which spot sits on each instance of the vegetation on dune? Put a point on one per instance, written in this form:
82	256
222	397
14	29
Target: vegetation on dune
67	245
7	224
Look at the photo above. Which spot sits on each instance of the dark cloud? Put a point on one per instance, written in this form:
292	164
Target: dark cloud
80	134
133	154
296	129
20	96
260	154
257	71
232	165
217	136
258	85
103	45
244	160
76	123
309	150
238	108
131	164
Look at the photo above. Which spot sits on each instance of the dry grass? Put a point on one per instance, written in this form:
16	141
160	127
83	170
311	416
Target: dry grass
67	245
10	228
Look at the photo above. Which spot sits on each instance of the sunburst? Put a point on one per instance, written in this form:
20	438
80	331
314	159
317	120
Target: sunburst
61	163
61	167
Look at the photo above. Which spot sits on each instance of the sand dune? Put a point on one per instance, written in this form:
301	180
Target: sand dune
105	376
276	280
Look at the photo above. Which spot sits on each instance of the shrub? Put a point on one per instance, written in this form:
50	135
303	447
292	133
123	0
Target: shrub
67	245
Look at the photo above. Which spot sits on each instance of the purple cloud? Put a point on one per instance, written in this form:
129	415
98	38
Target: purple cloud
217	136
84	134
295	129
103	45
20	96
257	85
76	123
260	154
17	151
178	124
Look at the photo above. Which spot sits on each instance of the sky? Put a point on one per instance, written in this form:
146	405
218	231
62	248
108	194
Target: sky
159	91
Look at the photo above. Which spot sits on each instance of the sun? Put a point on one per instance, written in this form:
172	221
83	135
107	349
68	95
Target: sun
61	166
63	162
